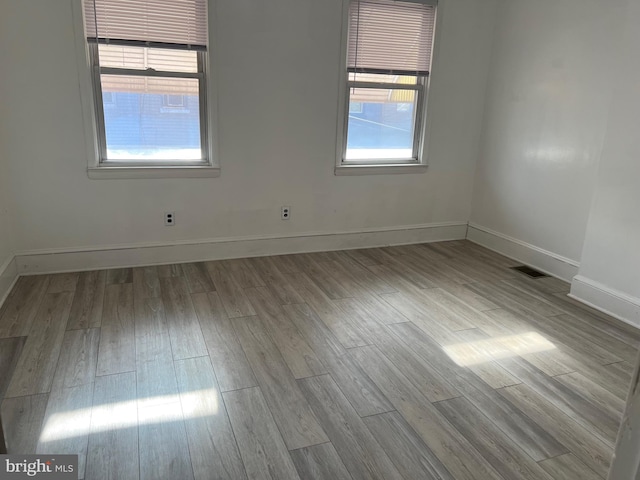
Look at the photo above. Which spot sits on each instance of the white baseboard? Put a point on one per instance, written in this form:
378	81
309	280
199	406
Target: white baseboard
8	278
613	302
544	260
52	261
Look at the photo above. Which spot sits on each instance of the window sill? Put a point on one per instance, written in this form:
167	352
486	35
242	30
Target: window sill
153	172
382	169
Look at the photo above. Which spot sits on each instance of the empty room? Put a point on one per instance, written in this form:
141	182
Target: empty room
319	239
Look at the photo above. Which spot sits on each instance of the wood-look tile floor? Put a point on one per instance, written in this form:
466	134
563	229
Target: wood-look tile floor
414	362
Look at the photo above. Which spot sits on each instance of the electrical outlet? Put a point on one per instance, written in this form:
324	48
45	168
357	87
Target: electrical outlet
169	219
285	213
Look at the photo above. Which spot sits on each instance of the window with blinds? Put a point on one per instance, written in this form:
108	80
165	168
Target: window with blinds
389	50
149	77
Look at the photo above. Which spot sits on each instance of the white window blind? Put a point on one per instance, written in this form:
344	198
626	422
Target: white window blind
159	23
390	37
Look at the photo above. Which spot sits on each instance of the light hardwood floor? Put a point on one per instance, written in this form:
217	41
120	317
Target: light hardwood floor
432	361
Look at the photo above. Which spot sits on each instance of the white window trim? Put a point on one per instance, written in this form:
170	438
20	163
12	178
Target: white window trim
424	122
118	171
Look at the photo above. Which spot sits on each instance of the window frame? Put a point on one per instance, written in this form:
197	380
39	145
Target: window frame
98	70
422	122
93	114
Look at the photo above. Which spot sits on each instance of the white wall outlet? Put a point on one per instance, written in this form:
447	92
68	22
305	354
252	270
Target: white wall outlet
169	219
285	213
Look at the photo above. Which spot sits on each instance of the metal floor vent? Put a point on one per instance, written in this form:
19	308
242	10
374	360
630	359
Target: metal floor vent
531	272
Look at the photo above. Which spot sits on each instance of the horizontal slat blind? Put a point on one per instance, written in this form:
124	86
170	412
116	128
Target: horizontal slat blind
388	36
149	85
171	22
117	56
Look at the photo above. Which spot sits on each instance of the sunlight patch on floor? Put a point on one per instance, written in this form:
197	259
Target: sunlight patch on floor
473	353
130	413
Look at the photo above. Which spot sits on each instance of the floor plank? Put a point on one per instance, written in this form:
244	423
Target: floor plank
298	355
596	336
477	351
523	431
212	445
361	392
113	439
21	307
88	301
396	277
600	422
322	277
184	329
10	351
426	379
197	277
568	467
229	361
285	264
36	366
582	443
361	454
381	310
146	283
453	449
363	257
22	419
256	431
360	280
550	326
243	272
561	358
594	393
117	335
493	445
275	280
290	409
405	448
171	270
597	319
63	282
319	462
78	359
230	291
150	317
164	449
345	332
119	276
67	422
155	373
417	313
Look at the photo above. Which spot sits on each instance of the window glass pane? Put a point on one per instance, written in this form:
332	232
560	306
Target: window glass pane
151	118
381	124
141	58
381	78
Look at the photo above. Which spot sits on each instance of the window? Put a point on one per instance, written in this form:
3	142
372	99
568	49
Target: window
149	62
388	64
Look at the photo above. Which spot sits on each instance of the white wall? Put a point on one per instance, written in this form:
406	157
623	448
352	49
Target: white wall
545	117
610	269
278	86
8	270
8	234
7	227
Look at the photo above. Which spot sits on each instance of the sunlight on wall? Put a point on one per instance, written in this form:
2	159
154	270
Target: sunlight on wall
130	413
473	353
